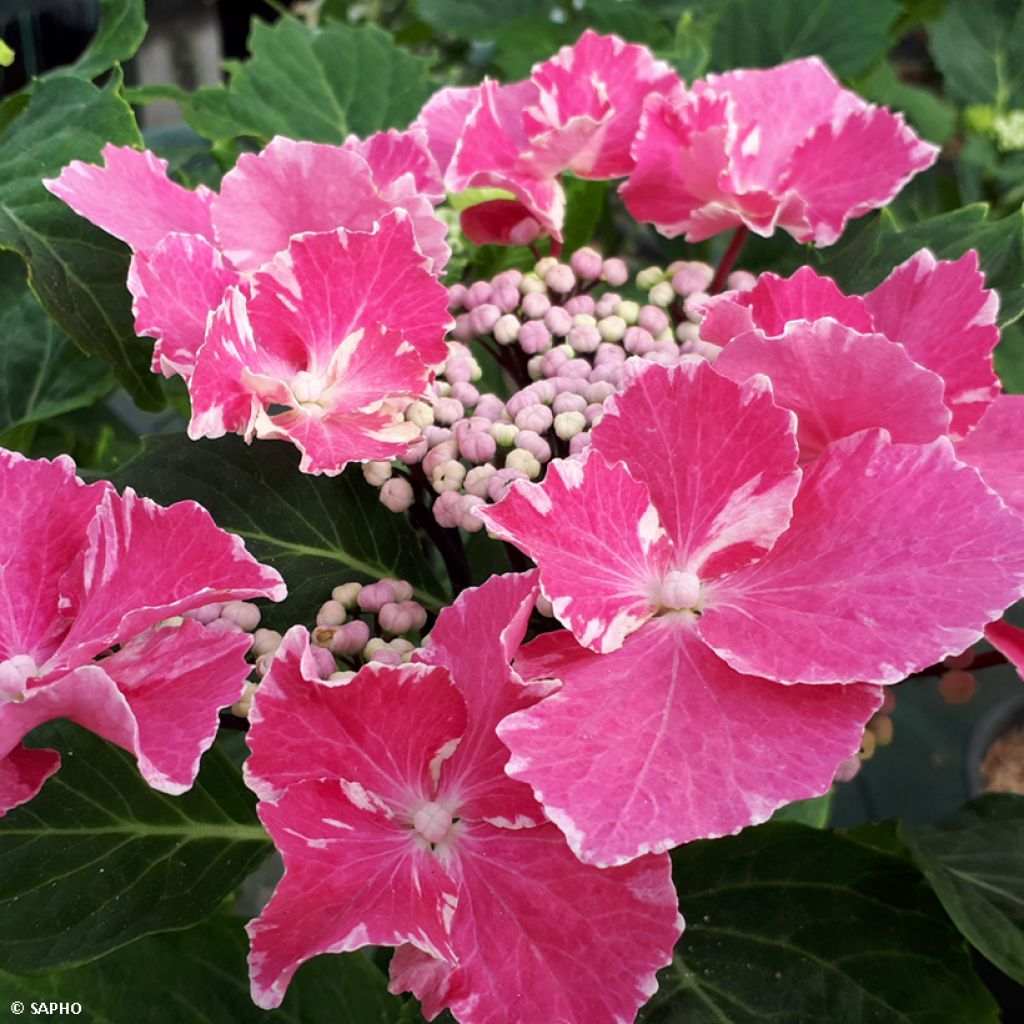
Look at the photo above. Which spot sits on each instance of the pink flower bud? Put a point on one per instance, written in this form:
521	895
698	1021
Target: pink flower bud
535	417
413	454
693	306
652	319
542	266
580	305
638	341
738	280
560	279
448	476
576	368
323	636
507	278
586	263
375	473
325	663
558	321
484	317
530	441
606	304
243	614
350	638
204	614
506	297
615	272
456	296
543	391
439	454
463	329
396	495
506	330
385	657
593	413
544	607
579	443
331	613
466	393
502	481
224	626
490	407
478	293
470	523
609	353
848	769
374	596
567	401
531	284
347	594
687	331
611	328
265	641
478	446
611	372
534	337
585	338
448	509
477	480
263	663
691	277
448	410
395	619
553	361
661	294
535	305
598	391
435	436
521	400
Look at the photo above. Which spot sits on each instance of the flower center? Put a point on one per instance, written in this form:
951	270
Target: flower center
307	388
679	591
433	822
14	676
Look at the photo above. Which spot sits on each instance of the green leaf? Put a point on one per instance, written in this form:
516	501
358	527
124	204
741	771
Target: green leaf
585	204
1009	359
122	29
792	924
316	531
319	85
814	812
98	858
850	37
478	19
200	976
77	271
691	52
866	257
978	45
6	55
974	859
42	374
933	118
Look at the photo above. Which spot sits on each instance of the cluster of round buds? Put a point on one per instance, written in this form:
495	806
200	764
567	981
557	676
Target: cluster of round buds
562	332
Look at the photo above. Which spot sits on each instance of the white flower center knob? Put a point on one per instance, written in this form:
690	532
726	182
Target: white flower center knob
432	821
14	676
679	590
307	387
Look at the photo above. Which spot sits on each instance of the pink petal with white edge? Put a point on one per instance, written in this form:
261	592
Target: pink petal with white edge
775	301
839	382
661	742
849	166
995	447
603	81
945	317
602	551
176	680
143	563
898	555
1008	640
132	198
176	286
444	118
388	729
354	876
542	937
22	774
291	188
718	459
401	163
495	616
36	550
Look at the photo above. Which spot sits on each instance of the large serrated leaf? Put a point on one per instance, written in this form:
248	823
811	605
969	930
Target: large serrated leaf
316	531
98	858
42	374
866	257
788	923
200	976
311	84
77	271
974	859
122	29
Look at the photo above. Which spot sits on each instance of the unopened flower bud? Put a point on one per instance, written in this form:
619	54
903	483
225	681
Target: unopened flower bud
544	607
350	638
661	294
396	495
504	433
569	424
400	618
584	338
478	446
463	329
502	481
542	266
629	311
456	296
243	614
532	442
448	410
373	645
341	676
531	284
523	461
568	401
649	277
375	595
413	454
265	641
490	407
638	341
375	473
263	663
385	657
506	330
579	443
324	660
534	337
419	413
510	277
611	328
224	626
484	317
576	368
535	305
692	277
470	523
693	306
204	614
331	613
535	417
447	509
558	321
477	294
606	304
438	455
586	263
652	319
738	280
243	705
615	272
477	480
448	476
506	298
580	305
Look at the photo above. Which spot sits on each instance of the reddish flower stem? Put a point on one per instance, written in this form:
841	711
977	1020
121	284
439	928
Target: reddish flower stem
729	259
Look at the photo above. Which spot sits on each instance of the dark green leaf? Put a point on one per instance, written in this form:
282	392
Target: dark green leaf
317	532
796	925
867	256
978	45
77	271
761	33
478	19
933	117
1009	358
311	84
98	858
42	374
122	29
200	976
974	859
691	52
814	812
585	203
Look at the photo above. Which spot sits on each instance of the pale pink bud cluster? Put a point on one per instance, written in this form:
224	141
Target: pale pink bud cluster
564	335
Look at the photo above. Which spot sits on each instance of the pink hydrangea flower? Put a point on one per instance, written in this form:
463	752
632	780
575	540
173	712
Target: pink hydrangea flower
785	147
578	112
86	589
399	827
189	246
725	613
339	332
938	315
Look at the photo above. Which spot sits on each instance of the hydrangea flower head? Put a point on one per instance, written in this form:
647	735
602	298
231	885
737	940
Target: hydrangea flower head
785	147
399	827
86	592
725	612
189	246
313	336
